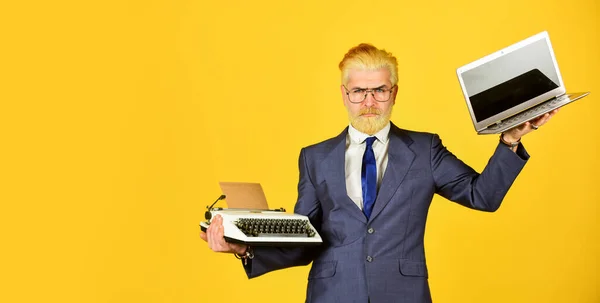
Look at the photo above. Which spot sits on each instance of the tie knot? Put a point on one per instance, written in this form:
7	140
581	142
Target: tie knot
370	141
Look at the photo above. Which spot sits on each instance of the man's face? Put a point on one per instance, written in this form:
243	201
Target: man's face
369	116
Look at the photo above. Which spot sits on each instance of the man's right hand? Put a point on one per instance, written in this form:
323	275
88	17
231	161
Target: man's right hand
216	241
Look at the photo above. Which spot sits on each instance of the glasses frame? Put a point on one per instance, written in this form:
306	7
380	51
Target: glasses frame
367	91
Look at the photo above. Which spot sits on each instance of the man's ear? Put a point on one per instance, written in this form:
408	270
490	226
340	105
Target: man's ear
394	94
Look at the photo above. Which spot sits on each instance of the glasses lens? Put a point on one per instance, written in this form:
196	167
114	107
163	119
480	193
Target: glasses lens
356	96
382	94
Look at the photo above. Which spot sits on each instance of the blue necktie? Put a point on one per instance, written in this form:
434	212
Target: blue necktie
369	177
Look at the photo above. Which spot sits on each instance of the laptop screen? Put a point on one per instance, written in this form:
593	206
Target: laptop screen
511	79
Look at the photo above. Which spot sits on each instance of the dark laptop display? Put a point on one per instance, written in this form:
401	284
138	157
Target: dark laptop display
511	93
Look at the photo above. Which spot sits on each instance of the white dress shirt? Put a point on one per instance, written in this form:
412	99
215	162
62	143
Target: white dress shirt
355	149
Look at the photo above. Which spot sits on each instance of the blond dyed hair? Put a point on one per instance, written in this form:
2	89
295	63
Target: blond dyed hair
368	57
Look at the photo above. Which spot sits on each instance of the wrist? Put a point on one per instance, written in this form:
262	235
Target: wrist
509	138
509	141
247	254
242	250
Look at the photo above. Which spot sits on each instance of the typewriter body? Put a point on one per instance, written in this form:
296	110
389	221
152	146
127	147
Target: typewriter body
264	227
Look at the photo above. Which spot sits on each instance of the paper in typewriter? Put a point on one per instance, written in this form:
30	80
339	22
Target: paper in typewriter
244	195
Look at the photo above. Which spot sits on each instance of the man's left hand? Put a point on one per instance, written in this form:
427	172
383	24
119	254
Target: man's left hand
515	134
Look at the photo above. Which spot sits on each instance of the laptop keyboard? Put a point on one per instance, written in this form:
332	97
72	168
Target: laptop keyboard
530	113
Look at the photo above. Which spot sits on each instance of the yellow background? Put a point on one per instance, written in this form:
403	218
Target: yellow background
118	118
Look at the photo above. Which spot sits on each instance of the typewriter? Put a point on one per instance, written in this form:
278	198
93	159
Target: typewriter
264	227
248	220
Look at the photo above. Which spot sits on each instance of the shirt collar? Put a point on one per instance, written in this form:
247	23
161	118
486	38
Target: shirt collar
357	137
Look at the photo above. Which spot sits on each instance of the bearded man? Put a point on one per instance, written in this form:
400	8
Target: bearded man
367	191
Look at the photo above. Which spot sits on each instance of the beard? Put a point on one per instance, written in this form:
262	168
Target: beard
370	125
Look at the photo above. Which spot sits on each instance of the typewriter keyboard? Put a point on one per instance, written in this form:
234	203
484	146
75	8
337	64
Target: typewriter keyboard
274	227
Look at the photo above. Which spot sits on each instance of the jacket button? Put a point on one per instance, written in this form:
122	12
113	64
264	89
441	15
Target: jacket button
370	230
369	259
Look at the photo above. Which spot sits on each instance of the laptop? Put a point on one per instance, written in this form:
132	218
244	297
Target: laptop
514	85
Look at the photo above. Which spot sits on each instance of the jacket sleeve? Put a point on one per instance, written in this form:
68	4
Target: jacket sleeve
458	182
267	259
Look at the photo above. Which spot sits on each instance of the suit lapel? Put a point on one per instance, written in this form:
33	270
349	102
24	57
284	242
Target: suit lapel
335	176
400	158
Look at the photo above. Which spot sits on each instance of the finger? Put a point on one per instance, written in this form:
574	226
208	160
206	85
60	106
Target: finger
203	236
209	236
552	113
212	234
221	239
216	240
217	235
543	119
537	120
525	129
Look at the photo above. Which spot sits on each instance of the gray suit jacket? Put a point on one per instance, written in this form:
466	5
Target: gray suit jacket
382	259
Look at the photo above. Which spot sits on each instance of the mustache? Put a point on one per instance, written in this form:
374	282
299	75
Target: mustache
370	110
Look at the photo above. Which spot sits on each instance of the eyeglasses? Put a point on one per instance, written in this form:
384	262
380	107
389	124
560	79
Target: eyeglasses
359	95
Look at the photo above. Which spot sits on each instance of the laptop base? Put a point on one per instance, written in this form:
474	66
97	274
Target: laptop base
532	113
